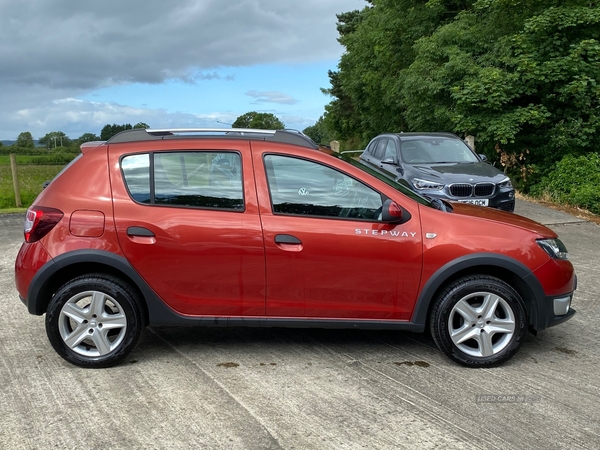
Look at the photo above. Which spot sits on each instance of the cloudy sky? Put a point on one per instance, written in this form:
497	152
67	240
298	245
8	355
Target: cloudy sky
76	65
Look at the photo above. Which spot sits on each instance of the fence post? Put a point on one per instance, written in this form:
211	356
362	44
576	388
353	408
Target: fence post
15	177
470	140
335	146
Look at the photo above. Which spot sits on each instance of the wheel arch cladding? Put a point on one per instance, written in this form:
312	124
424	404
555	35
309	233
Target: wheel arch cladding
509	270
55	273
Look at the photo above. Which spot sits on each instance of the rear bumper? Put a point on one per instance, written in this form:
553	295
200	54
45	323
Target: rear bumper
30	259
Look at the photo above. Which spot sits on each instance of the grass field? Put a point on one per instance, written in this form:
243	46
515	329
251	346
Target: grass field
49	159
31	178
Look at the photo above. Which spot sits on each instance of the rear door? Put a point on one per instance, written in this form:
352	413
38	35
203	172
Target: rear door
187	221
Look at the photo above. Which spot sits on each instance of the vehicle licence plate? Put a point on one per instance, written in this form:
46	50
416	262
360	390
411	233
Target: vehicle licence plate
476	201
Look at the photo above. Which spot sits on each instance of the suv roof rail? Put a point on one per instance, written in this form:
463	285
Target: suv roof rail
411	134
281	136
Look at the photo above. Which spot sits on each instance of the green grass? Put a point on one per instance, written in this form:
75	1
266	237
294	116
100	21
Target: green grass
31	178
13	211
47	159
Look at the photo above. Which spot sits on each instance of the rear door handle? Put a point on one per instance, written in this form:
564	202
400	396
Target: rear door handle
141	235
139	231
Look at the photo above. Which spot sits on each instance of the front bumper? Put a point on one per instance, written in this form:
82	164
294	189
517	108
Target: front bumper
503	199
553	319
555	309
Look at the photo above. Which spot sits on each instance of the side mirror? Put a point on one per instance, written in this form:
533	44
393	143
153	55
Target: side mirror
483	157
391	212
391	162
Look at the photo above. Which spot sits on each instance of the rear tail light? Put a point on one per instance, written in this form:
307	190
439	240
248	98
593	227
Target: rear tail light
39	220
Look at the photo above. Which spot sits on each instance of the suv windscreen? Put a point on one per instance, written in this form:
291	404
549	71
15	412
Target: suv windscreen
436	150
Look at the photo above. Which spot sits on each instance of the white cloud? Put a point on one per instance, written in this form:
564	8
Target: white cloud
62	43
60	49
271	97
76	117
297	122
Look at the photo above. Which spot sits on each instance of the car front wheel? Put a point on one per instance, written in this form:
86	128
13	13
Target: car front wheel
479	321
94	321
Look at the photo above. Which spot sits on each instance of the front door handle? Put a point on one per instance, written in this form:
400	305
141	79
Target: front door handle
288	243
287	239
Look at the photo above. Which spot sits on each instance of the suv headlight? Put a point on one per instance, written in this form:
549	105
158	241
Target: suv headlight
427	185
506	183
554	247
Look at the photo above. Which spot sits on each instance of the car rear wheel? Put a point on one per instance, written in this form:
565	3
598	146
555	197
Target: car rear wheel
94	321
479	321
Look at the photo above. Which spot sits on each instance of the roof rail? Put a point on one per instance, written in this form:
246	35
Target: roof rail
282	136
182	131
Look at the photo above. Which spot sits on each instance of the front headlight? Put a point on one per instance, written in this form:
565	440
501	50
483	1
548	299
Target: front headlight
506	183
427	185
554	247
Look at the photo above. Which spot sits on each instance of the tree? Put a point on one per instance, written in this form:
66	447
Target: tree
521	76
110	130
259	121
379	40
525	81
55	139
25	140
320	132
87	137
143	125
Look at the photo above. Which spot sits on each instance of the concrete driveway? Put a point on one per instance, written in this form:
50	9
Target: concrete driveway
305	389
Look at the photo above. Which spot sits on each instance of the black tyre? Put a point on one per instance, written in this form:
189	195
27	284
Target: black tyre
94	321
479	321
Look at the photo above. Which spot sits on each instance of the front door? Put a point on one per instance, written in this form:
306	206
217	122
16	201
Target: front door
328	255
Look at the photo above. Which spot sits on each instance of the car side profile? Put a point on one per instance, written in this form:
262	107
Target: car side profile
227	227
442	166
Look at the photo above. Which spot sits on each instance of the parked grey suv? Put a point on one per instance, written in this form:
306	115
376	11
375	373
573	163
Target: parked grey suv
440	165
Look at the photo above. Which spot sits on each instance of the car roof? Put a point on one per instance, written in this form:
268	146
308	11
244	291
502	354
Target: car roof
292	137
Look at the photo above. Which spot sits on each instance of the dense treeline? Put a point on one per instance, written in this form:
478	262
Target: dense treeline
57	140
523	77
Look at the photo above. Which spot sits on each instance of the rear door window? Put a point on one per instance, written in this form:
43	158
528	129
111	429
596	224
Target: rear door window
187	179
380	149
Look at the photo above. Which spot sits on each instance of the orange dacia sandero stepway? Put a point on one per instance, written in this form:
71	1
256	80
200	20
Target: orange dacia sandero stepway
265	228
